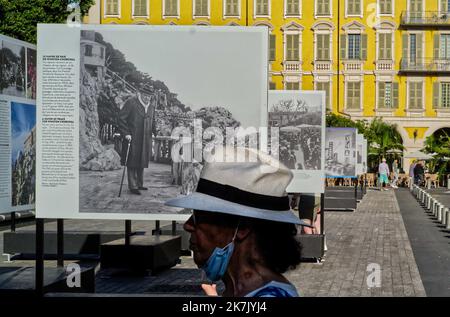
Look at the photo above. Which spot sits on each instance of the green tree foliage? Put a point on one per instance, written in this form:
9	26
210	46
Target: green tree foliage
19	18
438	144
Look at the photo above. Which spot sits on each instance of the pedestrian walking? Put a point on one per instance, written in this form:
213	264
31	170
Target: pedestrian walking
243	231
383	170
395	171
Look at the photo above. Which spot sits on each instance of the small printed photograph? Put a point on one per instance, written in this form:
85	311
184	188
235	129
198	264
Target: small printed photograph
13	71
340	148
137	86
300	119
23	153
31	73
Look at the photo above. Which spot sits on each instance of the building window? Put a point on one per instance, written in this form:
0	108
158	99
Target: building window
354	46
201	8
354	95
323	47
444	43
140	8
102	52
232	8
272	85
445	6
112	7
323	7
262	7
415	95
445	95
292	47
441	95
385	46
171	8
354	7
412	50
272	47
88	50
293	85
385	6
387	95
325	86
292	8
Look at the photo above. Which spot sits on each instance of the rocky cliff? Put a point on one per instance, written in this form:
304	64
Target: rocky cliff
93	155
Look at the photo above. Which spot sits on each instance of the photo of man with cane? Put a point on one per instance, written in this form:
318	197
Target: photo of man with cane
137	124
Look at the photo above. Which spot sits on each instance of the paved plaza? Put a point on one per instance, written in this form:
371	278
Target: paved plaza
374	236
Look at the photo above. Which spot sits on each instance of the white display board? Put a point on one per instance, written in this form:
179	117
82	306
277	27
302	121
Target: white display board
364	156
359	154
340	152
300	117
95	80
17	125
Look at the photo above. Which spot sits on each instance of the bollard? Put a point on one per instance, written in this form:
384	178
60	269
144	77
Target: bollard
443	214
447	221
438	214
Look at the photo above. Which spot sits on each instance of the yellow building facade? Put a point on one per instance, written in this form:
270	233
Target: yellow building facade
374	58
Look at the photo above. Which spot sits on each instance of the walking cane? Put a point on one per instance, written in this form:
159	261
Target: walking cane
124	168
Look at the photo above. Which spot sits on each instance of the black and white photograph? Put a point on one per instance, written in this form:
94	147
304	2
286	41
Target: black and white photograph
13	71
359	154
137	85
300	117
340	152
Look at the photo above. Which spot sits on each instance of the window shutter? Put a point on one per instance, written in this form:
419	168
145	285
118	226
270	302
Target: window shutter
326	47
343	44
436	95
419	46
357	7
295	44
395	95
436	46
389	46
381	95
204	7
405	46
381	46
388	6
272	47
364	47
443	6
419	94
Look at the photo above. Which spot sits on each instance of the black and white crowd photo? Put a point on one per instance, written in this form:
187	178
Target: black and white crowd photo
340	149
299	115
137	85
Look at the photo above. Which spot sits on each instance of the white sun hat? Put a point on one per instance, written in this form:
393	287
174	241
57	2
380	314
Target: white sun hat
242	182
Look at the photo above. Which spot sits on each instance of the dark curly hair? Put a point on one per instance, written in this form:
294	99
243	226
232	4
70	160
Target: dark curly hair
276	241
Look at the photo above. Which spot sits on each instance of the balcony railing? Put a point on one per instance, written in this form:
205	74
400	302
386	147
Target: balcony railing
292	66
427	18
426	65
322	65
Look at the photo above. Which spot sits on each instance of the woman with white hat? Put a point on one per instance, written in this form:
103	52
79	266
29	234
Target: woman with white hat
242	229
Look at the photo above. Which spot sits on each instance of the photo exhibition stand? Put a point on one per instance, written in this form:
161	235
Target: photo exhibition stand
170	247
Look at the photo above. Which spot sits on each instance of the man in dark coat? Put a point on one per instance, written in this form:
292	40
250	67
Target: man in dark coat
137	123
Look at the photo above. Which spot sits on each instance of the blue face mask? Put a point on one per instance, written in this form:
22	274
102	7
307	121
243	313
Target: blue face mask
217	264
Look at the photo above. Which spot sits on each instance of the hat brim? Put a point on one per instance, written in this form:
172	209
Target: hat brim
200	201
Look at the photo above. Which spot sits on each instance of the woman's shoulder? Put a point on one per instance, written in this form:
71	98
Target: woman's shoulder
275	289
